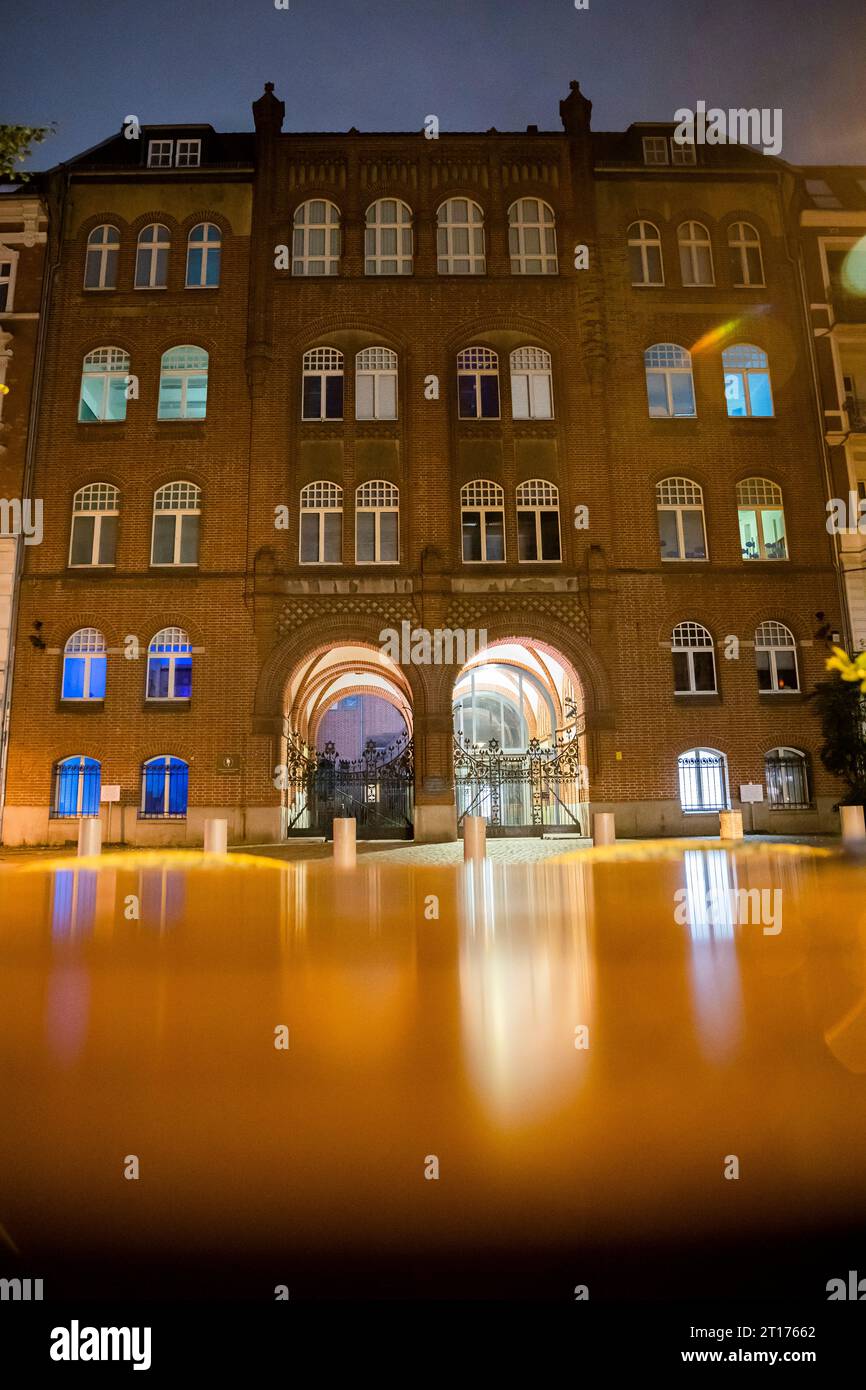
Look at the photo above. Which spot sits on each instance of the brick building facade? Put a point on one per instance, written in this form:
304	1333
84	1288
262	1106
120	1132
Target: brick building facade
303	389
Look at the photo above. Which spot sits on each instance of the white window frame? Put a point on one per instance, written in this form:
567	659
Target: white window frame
321	498
187	372
184	150
303	259
178	499
482	495
97	500
722	762
478	361
767	497
380	365
375	259
668	370
101	251
152	248
175	641
156	154
82	759
537	496
683	154
7	279
678	495
789	755
534	365
743	367
644	242
166	759
207	248
654	145
692	238
772	637
105	363
448	224
323	362
739	240
86	642
528	215
686	639
378	497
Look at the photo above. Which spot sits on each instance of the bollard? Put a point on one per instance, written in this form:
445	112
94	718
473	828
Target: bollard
474	838
89	835
731	825
344	842
853	827
604	828
215	836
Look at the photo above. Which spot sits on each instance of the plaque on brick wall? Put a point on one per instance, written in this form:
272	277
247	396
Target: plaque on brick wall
228	762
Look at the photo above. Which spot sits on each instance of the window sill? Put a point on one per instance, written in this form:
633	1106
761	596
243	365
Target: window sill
67	706
173	569
162	820
115	428
702	700
793	697
166	706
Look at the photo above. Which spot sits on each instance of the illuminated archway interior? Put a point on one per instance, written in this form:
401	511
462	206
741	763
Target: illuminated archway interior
348	696
513	692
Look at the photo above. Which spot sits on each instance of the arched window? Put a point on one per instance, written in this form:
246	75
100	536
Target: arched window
703	778
694	660
532	238
538	521
478	384
95	511
84	666
747	380
744	249
176	521
203	249
645	254
388	238
377	523
696	254
669	385
776	659
321	524
76	787
151	260
103	385
376	384
460	238
316	239
786	771
100	262
322	391
482	519
169	665
183	384
164	789
680	511
761	518
531	384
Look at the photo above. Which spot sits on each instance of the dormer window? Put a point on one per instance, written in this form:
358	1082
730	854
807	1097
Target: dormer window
188	154
655	149
180	154
159	154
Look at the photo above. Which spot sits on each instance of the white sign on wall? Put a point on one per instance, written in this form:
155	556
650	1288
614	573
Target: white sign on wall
751	791
110	792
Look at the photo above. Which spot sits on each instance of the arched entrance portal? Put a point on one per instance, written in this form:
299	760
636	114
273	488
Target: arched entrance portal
519	741
348	747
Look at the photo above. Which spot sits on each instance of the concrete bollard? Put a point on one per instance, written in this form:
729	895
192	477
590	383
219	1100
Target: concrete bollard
853	826
345	851
216	834
604	828
474	838
731	825
89	835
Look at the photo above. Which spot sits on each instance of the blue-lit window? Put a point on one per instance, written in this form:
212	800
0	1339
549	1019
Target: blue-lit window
747	381
76	787
478	384
164	788
203	256
169	665
84	663
323	384
669	385
103	385
183	384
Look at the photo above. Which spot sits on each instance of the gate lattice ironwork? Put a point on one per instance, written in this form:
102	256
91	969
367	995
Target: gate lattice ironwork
543	788
378	789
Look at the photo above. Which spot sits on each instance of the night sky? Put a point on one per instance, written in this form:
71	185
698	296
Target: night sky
386	64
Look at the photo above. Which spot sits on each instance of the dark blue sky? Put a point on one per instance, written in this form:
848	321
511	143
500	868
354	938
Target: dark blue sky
386	64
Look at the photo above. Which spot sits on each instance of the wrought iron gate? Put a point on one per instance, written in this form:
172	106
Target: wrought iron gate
378	789
544	788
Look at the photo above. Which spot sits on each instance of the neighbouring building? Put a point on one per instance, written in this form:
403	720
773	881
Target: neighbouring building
23	222
406	477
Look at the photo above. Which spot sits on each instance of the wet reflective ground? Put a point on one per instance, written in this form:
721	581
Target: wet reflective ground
583	1045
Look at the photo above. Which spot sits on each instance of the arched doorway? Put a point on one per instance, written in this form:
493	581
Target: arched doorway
519	741
348	747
